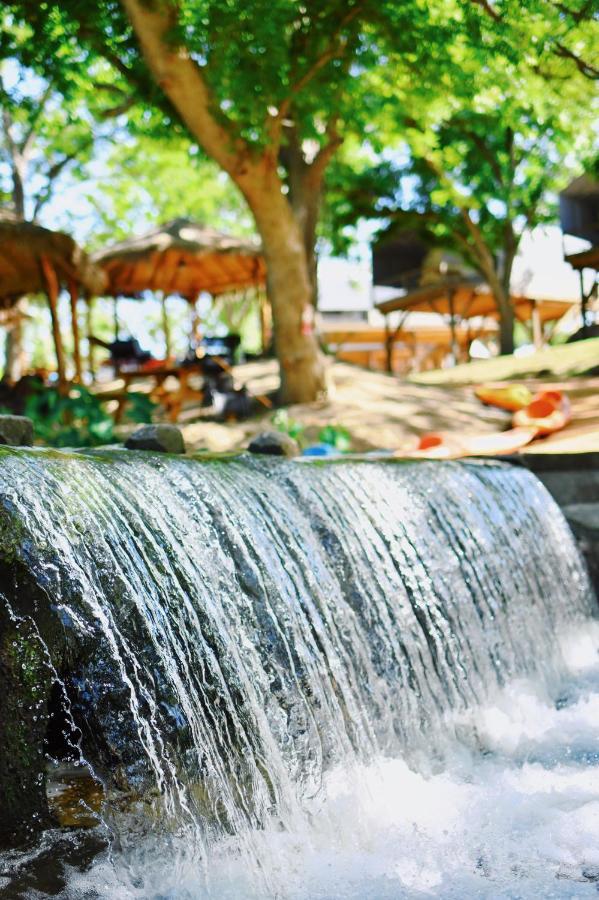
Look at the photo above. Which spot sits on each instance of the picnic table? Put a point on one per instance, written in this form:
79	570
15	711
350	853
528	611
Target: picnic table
155	374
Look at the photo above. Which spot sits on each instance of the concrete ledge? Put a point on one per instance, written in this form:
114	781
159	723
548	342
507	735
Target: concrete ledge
571	478
583	519
560	462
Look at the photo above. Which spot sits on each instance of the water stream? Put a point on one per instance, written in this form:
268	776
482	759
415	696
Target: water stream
358	680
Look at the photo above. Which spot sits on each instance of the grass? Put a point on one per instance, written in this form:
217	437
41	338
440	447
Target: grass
559	362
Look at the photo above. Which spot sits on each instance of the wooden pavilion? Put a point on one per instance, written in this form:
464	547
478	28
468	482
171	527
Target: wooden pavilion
459	300
182	258
36	260
579	216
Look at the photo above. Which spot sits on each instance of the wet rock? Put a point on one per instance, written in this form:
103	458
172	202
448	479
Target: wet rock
16	431
160	438
274	443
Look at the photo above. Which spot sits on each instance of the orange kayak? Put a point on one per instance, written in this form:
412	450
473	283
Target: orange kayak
512	398
549	412
446	445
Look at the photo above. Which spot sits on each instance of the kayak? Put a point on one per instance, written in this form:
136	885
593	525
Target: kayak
512	398
448	445
549	412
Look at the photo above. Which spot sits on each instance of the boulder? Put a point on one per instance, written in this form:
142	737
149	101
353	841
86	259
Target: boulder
17	431
274	443
160	438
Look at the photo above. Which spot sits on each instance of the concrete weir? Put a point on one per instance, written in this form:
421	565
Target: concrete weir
573	481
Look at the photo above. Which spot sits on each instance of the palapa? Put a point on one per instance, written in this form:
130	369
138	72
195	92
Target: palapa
33	260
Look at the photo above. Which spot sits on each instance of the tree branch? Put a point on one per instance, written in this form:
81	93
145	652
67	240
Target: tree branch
584	67
316	168
30	134
486	6
53	173
334	49
576	14
588	70
183	82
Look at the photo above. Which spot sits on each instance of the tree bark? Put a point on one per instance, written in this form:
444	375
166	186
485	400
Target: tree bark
303	377
506	329
498	279
507	318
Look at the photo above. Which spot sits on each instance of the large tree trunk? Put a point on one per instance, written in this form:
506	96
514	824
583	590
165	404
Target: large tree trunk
303	375
506	330
305	191
507	319
182	79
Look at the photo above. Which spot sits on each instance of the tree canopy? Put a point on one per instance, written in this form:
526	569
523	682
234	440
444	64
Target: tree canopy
271	90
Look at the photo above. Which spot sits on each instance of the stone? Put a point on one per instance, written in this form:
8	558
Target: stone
159	438
274	443
16	431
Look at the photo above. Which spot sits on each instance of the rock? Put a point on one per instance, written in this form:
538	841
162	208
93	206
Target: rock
17	431
160	438
274	443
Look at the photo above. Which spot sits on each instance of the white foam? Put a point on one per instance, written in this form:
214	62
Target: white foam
513	813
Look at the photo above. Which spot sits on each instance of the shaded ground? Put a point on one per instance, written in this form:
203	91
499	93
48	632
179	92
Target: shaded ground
381	411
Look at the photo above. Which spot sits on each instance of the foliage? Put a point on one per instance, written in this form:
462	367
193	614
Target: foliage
78	418
44	135
147	180
472	175
336	436
283	422
271	89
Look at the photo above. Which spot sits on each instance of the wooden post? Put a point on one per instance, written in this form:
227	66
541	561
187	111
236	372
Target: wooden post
537	326
584	298
166	328
195	322
115	309
89	329
388	346
452	326
74	296
52	291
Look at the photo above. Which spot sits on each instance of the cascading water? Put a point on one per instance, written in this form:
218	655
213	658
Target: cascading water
231	645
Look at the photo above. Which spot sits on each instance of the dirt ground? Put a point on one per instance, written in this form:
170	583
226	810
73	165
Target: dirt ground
382	411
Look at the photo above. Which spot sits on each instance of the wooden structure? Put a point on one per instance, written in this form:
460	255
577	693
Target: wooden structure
36	260
417	348
579	216
186	259
181	258
459	300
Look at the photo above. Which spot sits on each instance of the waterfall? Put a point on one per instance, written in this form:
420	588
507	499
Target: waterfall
231	630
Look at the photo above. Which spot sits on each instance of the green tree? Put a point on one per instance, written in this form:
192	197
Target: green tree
45	137
473	175
145	180
270	89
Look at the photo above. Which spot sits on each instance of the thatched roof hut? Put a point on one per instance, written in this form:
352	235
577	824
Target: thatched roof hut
22	247
182	257
33	260
459	299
